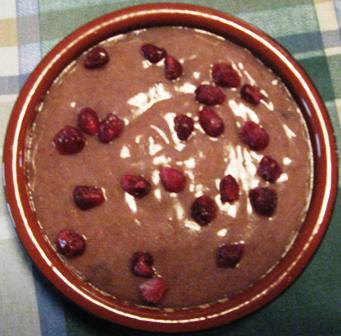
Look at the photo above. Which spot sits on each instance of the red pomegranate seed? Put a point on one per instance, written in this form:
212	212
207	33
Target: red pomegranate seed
153	290
263	200
88	121
135	185
183	126
229	189
69	140
87	197
96	58
251	94
173	68
269	169
110	128
142	264
253	135
153	53
224	75
172	179
229	255
209	95
204	210
211	123
70	243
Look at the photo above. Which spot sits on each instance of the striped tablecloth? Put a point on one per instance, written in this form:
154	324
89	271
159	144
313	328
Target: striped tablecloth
309	29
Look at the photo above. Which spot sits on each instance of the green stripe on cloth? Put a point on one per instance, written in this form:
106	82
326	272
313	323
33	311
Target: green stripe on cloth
90	325
229	5
318	70
288	20
300	43
335	73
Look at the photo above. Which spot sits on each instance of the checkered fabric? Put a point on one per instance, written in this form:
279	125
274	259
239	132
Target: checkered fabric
309	29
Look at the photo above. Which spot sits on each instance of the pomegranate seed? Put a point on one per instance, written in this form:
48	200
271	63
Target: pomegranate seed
153	290
70	243
263	200
251	94
88	121
203	210
110	128
211	123
153	53
87	197
172	179
183	126
135	185
253	135
69	140
142	264
209	95
96	58
269	169
229	255
229	189
173	68
224	75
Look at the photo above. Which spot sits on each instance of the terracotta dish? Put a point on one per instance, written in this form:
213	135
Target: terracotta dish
204	310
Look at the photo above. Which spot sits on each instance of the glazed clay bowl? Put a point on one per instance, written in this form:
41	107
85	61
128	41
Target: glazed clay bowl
274	56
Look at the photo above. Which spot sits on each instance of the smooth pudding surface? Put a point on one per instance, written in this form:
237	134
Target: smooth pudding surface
137	91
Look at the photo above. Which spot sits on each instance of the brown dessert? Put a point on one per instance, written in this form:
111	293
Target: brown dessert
169	167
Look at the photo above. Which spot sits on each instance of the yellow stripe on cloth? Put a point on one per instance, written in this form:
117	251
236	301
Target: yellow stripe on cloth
326	15
8	33
338	108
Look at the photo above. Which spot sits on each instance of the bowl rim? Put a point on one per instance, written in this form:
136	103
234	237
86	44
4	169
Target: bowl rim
271	53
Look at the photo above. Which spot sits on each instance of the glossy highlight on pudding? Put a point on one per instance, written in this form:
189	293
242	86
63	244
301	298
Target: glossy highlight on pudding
195	261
